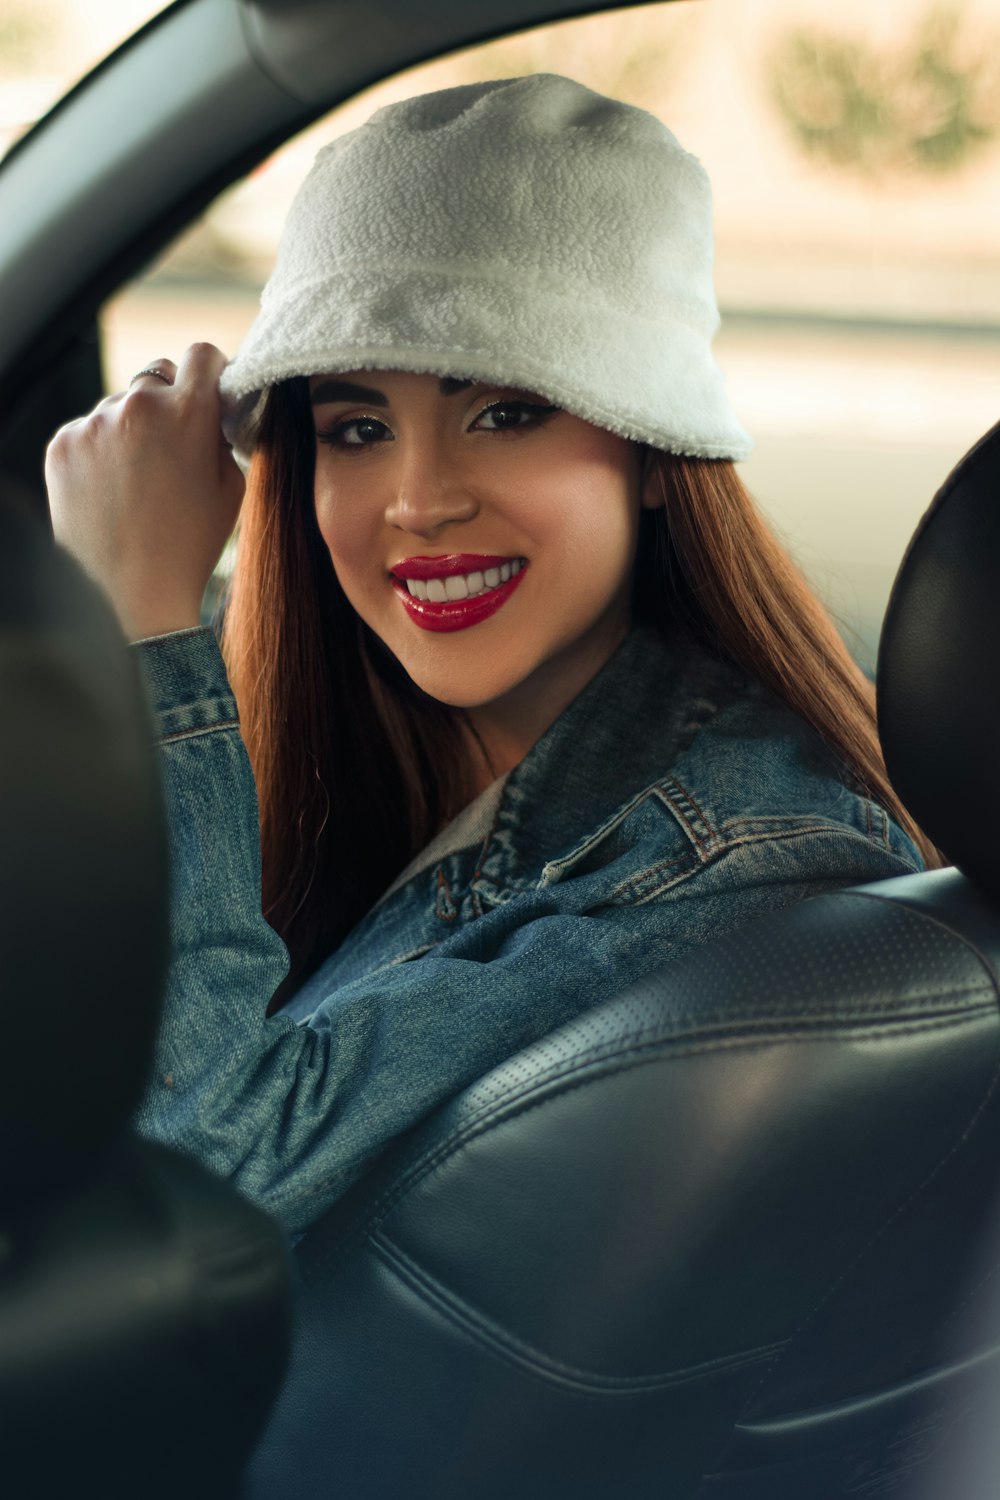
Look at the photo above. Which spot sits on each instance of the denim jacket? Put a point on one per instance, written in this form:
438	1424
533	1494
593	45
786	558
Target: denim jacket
672	801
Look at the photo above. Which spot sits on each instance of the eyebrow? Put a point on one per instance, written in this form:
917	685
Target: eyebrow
345	390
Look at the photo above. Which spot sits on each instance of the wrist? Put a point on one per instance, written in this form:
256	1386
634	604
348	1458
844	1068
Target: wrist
140	624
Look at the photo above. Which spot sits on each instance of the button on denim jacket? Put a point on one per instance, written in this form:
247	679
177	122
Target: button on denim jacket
672	801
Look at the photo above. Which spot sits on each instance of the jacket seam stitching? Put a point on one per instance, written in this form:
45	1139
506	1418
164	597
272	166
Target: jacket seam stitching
774	835
713	832
190	734
583	847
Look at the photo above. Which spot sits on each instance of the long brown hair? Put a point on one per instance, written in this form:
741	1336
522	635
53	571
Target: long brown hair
356	768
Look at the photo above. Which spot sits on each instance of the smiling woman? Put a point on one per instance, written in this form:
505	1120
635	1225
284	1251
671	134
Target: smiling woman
530	698
550	502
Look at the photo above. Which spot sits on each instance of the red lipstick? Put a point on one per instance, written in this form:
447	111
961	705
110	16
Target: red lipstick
441	567
453	614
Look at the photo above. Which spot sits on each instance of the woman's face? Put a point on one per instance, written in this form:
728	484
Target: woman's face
486	536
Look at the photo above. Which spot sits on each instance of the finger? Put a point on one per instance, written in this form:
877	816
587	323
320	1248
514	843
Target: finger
200	367
162	370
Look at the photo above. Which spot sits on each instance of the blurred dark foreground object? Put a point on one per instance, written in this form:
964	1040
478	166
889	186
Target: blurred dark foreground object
83	870
939	668
143	1303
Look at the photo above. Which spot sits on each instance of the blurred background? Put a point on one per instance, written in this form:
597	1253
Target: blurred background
855	157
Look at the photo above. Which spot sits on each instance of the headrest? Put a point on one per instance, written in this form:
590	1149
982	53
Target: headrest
83	869
939	668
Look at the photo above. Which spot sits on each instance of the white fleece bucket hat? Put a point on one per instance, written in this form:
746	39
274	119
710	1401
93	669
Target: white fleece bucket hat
527	232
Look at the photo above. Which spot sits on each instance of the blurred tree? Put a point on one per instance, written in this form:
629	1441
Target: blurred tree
25	34
629	55
928	106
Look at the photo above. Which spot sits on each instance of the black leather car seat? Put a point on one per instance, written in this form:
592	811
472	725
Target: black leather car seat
143	1303
730	1234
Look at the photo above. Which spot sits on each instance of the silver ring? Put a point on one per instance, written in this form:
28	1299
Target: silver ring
150	371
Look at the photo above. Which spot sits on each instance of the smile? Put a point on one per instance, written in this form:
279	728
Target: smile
455	592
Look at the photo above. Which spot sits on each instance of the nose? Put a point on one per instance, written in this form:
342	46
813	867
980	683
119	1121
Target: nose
427	494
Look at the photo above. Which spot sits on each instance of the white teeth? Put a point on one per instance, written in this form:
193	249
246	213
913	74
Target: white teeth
463	585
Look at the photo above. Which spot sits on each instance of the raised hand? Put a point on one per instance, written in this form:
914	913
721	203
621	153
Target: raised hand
144	491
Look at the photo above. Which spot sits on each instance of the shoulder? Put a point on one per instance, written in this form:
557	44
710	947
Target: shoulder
754	797
759	770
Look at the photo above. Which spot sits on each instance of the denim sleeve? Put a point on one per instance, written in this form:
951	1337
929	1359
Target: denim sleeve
292	1113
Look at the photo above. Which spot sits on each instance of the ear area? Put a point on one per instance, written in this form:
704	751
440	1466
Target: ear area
652	492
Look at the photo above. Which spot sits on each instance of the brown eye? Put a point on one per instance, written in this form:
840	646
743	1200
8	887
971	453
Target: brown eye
501	416
358	432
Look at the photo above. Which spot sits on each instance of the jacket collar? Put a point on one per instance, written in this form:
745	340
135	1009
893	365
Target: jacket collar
618	736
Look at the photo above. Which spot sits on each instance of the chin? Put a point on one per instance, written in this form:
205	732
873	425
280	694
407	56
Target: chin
456	692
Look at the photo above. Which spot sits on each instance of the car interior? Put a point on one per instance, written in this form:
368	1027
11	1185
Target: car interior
732	1234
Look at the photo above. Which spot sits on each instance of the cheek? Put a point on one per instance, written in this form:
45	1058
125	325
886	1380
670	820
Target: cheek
344	528
595	524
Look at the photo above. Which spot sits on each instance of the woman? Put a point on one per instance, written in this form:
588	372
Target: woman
533	700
